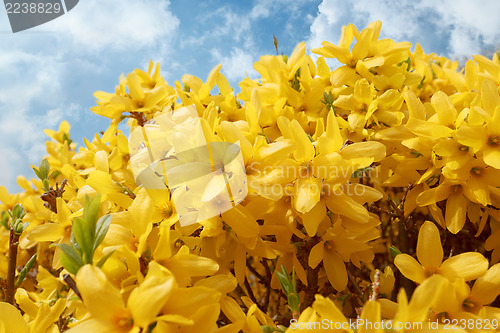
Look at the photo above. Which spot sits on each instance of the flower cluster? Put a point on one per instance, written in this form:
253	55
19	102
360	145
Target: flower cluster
351	172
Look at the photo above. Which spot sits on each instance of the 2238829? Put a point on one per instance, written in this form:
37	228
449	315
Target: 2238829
479	323
32	8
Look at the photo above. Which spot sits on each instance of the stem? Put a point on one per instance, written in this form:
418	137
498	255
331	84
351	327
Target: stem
269	276
361	294
375	286
71	284
11	273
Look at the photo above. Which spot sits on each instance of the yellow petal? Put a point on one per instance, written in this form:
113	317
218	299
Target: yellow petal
415	106
445	110
469	266
335	269
429	250
243	223
487	287
330	50
433	195
304	150
307	194
489	95
327	309
191	265
316	255
423	297
225	283
11	319
146	300
409	267
455	212
102	182
100	296
331	140
492	157
313	218
370	316
372	149
134	87
473	137
48	232
339	203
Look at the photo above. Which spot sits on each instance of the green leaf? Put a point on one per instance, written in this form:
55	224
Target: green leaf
18	211
37	173
394	251
25	270
83	236
45	183
293	301
101	230
70	259
103	259
285	281
91	210
44	169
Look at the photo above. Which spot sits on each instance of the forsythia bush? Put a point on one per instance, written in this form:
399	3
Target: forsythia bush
373	204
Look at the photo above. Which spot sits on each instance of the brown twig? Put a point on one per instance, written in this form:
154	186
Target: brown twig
250	292
140	117
375	286
269	276
71	284
50	197
353	282
11	272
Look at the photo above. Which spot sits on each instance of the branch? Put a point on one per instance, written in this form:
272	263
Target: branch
11	273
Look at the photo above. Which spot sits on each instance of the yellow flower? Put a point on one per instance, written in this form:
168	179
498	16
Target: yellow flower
11	319
106	307
485	139
468	265
338	245
323	308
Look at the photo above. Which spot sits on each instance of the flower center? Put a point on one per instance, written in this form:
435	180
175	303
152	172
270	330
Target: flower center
166	210
476	171
463	148
123	320
329	245
494	140
430	271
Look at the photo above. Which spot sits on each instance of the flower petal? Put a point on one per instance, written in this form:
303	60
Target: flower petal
409	267
487	287
11	319
316	255
146	300
429	250
469	266
100	296
335	269
455	212
313	218
307	193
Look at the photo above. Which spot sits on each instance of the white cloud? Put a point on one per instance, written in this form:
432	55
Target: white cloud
457	28
237	65
116	24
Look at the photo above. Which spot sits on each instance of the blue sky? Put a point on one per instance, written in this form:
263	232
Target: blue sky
49	73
